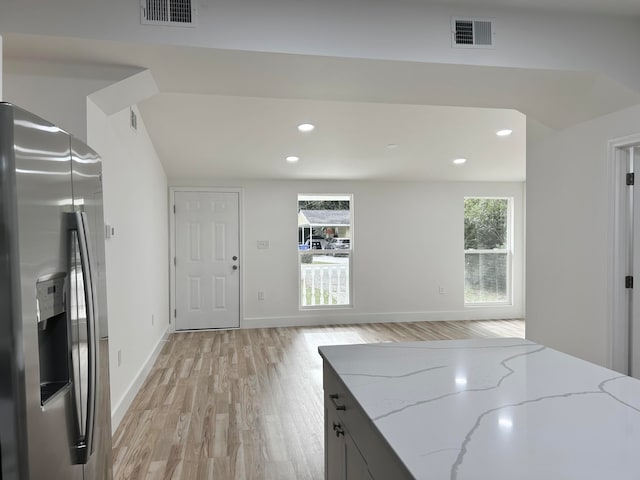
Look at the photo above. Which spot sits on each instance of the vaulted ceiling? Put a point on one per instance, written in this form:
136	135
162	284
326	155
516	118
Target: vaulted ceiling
233	114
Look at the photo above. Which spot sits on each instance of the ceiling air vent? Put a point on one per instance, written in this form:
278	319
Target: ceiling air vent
472	32
179	13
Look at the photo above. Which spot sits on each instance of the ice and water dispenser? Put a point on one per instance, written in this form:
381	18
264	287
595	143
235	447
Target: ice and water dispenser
53	335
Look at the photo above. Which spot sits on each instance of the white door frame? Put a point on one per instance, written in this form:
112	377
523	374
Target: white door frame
172	245
618	295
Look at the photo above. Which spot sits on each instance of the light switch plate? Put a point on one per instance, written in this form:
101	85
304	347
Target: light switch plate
263	244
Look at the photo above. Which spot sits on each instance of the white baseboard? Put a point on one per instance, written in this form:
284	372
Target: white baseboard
118	411
344	317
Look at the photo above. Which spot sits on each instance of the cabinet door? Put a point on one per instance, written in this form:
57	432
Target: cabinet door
356	466
334	446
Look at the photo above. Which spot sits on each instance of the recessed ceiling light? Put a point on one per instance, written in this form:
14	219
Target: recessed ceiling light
504	133
459	161
306	127
292	159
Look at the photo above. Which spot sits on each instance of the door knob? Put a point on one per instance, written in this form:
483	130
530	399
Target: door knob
235	267
234	257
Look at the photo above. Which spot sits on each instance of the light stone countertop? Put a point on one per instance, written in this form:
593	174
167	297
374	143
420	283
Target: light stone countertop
495	409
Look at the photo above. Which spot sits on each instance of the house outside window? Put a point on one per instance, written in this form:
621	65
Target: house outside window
325	250
488	251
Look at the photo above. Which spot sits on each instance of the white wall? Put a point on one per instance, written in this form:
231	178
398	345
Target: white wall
398	30
57	91
135	201
569	236
408	241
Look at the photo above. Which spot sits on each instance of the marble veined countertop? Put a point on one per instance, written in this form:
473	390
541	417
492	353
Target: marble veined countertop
495	409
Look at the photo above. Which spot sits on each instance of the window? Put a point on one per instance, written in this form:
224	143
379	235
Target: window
325	249
487	251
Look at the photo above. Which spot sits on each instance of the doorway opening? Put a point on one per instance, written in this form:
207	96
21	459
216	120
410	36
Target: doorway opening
625	325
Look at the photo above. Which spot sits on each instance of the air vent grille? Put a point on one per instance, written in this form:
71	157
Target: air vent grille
472	33
464	33
168	12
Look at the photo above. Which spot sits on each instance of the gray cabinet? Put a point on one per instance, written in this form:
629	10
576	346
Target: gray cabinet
354	449
356	466
334	448
343	460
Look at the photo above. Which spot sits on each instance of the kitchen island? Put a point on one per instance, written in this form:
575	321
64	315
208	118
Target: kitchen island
476	409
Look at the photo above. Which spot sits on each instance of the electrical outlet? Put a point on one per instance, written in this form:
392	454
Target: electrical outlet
119	357
260	296
442	290
263	244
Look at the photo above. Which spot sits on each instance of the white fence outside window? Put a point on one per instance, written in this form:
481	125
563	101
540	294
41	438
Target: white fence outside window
324	284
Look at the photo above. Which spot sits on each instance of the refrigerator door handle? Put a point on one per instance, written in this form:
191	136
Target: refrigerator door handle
84	447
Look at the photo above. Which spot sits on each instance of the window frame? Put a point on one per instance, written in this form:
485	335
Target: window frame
508	251
348	252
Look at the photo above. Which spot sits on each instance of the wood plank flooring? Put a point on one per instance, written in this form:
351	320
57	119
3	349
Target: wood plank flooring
247	404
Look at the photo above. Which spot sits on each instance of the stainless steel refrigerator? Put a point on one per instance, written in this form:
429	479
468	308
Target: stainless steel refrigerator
55	419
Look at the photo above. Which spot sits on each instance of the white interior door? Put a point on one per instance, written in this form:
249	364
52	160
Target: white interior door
207	263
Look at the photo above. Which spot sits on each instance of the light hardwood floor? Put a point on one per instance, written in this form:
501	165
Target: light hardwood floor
247	404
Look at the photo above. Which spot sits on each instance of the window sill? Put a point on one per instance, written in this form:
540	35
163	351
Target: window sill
488	304
324	307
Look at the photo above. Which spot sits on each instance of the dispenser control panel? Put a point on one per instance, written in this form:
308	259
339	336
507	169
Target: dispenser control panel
50	296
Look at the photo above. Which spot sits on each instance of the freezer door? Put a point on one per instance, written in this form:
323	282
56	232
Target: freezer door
13	425
87	189
44	194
